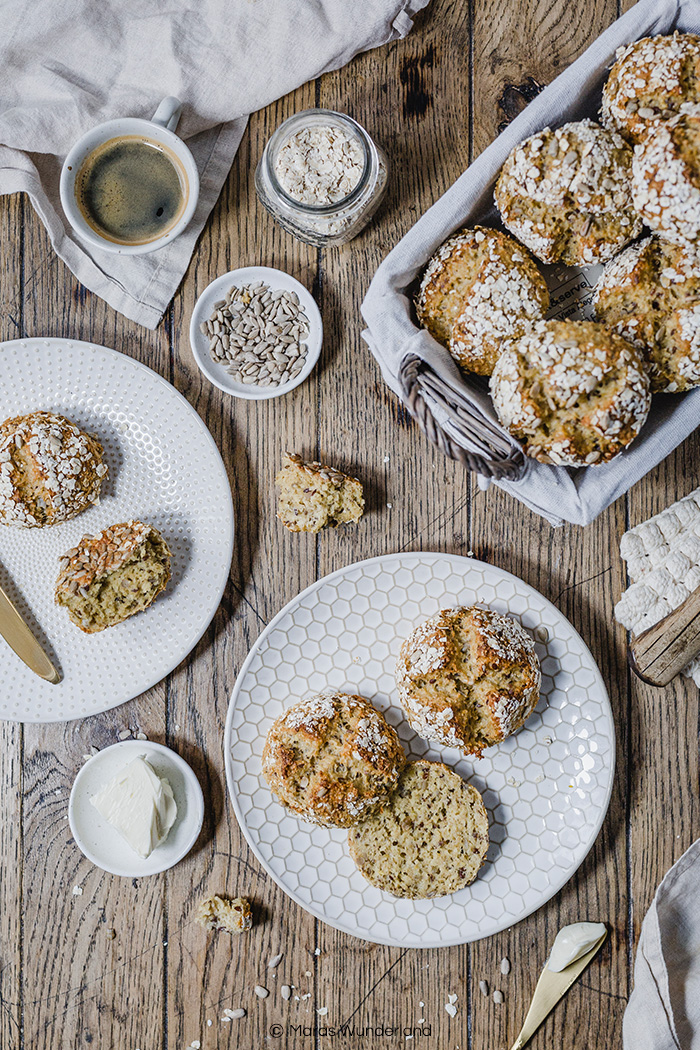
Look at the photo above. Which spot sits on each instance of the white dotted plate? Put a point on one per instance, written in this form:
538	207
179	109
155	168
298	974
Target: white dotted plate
164	468
546	789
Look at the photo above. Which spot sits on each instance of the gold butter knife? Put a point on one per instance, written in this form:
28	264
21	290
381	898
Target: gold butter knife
20	638
552	987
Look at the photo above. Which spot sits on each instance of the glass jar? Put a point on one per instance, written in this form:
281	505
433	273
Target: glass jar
322	224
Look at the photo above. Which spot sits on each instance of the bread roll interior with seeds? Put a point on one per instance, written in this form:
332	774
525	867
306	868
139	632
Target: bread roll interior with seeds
468	678
107	578
50	470
314	496
430	840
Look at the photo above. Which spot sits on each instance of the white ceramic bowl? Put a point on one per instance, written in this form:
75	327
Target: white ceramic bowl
217	290
101	843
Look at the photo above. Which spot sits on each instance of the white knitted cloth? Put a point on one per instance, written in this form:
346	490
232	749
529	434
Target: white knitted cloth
663	562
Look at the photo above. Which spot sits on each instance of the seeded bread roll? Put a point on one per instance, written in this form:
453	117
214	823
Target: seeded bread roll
111	576
566	194
429	841
650	295
480	288
468	678
651	79
313	496
50	470
332	759
666	177
573	392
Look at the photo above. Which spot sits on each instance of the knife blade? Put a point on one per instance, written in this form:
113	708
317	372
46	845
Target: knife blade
20	638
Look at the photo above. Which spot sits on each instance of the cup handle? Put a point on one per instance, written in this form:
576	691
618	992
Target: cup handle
168	113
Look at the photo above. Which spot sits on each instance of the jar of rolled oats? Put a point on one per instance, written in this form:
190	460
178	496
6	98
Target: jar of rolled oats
321	176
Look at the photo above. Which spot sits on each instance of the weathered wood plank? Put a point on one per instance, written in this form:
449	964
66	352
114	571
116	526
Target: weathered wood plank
208	973
664	810
11	735
79	983
413	98
517	48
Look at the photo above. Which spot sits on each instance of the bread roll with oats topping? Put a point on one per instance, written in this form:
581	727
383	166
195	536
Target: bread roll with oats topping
480	288
650	80
566	194
574	393
650	295
332	759
666	177
468	678
50	470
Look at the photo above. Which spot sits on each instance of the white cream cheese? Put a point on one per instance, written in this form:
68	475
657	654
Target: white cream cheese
572	942
139	804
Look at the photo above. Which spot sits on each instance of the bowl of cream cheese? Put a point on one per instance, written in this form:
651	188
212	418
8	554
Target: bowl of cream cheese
136	808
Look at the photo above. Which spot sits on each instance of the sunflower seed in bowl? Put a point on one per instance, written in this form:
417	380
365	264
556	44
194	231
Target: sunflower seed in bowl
255	336
258	334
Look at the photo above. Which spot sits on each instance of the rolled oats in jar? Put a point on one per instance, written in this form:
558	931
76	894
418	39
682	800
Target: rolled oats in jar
321	176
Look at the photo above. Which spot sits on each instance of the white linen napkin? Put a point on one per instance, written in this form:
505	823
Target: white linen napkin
557	493
65	67
663	1012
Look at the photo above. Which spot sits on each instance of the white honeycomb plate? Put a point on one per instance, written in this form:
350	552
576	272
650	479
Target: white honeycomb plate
164	468
546	789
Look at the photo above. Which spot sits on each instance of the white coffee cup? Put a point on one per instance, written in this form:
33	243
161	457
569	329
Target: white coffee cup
160	129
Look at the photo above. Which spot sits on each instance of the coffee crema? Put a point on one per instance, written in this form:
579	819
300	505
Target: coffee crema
131	190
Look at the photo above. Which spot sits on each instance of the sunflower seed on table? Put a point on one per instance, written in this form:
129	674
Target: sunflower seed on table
258	334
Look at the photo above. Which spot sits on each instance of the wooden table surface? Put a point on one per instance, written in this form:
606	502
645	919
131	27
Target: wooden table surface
434	100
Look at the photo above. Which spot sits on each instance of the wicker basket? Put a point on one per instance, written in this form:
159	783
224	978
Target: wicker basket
494	456
453	409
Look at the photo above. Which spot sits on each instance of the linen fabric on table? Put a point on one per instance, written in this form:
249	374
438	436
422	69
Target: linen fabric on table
557	493
663	1012
65	67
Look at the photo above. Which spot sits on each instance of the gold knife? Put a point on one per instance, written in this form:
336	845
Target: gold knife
20	638
552	987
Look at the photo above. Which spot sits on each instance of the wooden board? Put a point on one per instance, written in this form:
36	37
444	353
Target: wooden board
434	100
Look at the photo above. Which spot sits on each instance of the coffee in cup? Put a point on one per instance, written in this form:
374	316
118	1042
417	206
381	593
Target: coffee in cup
131	190
130	186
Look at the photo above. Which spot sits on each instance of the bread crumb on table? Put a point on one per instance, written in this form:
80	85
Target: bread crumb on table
223	913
